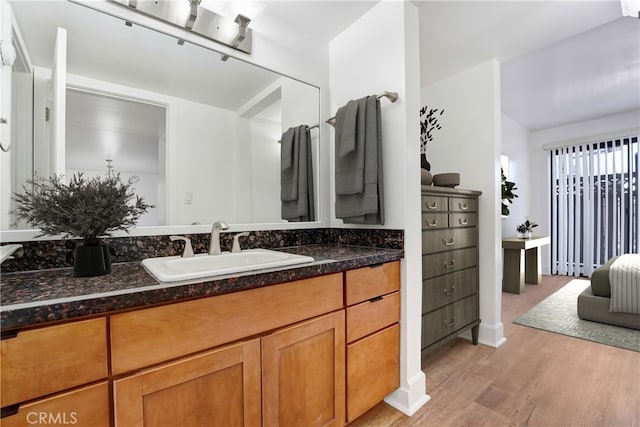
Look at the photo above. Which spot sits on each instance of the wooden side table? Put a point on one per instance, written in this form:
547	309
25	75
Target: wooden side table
521	262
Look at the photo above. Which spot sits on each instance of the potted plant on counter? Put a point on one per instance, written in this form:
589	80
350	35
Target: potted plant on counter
85	208
525	229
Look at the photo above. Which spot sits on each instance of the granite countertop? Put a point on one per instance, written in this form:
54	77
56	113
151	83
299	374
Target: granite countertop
36	297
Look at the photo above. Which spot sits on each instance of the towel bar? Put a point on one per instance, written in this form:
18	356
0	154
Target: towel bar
391	96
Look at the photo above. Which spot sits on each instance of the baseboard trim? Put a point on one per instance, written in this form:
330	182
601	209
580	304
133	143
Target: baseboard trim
408	400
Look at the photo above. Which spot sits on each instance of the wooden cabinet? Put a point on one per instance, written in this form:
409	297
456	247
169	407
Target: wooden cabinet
450	286
303	374
38	366
218	387
373	336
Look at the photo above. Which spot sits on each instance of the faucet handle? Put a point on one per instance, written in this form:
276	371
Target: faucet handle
236	242
188	249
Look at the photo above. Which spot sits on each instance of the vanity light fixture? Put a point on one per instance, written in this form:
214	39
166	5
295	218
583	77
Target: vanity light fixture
190	15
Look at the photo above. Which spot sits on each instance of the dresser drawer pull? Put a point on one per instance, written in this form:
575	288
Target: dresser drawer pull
432	206
464	221
448	242
450	323
376	299
6	335
451	291
433	223
453	261
463	207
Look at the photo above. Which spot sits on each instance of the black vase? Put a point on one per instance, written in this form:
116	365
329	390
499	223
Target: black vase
424	164
92	259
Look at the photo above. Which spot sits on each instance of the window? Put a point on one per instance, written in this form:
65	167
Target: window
594	204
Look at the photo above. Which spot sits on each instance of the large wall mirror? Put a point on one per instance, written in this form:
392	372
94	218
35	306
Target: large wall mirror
201	134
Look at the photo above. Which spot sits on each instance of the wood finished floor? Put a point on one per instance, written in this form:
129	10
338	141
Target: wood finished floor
536	378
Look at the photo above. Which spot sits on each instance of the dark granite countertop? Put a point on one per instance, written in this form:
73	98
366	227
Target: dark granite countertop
36	297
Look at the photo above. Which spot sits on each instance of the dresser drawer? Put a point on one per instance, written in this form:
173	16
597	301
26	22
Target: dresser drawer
372	315
462	204
88	406
50	359
145	337
462	220
446	240
433	221
443	290
369	282
448	262
447	320
434	204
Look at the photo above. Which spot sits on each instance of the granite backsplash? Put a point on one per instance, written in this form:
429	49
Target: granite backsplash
46	254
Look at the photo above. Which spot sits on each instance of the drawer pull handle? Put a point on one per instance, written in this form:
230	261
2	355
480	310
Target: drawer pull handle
453	261
450	323
380	264
433	223
462	221
8	411
447	242
6	335
450	292
463	207
432	206
376	299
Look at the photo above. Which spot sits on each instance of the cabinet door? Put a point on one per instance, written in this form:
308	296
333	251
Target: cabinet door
303	374
217	388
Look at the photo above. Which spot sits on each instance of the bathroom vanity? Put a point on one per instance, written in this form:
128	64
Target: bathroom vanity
311	345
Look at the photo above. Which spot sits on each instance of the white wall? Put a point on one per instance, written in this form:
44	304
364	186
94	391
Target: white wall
380	52
515	145
573	133
470	143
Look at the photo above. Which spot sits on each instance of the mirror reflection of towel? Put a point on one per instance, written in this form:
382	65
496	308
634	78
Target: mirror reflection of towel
296	179
367	205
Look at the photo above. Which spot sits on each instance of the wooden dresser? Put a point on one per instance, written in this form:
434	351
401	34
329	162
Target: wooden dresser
450	303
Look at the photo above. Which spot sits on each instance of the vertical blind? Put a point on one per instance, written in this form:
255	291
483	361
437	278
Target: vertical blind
594	204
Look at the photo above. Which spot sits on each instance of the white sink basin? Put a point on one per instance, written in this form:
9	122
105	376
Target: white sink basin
175	268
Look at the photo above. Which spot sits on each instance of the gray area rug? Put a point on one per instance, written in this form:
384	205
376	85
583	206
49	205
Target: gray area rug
558	313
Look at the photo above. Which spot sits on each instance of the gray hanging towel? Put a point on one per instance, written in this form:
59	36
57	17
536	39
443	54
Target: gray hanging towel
350	147
302	207
288	166
367	207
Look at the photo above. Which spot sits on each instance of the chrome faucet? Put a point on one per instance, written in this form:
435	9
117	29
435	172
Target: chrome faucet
214	245
236	242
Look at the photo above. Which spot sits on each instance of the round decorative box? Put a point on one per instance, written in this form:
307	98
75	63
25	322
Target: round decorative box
446	179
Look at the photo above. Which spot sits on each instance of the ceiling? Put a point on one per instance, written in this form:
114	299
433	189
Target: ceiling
561	61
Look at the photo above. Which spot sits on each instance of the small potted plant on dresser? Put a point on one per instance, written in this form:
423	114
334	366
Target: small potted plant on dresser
525	230
85	208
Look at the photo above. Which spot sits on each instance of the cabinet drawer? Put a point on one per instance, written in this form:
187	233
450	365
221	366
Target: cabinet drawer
433	221
47	360
434	204
462	220
373	370
372	315
87	406
145	337
462	204
448	262
447	320
446	240
369	282
443	290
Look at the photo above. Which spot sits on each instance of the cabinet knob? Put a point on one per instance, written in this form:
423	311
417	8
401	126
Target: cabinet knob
450	323
463	206
449	292
450	265
433	223
463	221
432	206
